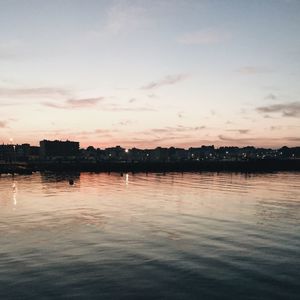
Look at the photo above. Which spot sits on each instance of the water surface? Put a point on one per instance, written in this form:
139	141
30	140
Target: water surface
155	236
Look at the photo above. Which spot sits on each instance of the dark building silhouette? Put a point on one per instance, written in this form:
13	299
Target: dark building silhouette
58	149
115	153
53	151
22	152
7	153
34	151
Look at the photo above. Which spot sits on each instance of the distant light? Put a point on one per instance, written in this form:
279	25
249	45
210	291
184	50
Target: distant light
126	150
11	140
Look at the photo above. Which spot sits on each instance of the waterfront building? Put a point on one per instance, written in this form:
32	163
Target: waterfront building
59	149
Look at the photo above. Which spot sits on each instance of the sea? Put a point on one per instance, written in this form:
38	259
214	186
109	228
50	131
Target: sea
150	236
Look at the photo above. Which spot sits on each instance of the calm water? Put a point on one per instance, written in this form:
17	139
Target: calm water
155	236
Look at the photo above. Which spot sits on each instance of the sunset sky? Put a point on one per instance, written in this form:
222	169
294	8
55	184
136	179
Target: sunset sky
150	73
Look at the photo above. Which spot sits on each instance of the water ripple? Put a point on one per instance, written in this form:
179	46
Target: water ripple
150	236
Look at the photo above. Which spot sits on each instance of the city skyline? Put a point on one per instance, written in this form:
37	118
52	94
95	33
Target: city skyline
140	74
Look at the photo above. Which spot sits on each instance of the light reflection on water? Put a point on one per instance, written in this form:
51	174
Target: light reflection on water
150	236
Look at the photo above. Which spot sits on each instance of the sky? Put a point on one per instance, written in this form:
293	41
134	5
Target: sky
150	73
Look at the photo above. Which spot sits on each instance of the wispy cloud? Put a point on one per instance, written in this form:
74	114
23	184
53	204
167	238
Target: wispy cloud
98	102
3	124
116	107
75	103
241	131
293	139
253	70
272	128
152	96
271	97
177	129
170	132
88	102
124	123
33	92
168	80
268	117
204	37
262	141
285	109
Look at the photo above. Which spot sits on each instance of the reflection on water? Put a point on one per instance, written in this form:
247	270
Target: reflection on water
150	236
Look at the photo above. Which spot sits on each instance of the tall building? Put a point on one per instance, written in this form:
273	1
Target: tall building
7	153
58	149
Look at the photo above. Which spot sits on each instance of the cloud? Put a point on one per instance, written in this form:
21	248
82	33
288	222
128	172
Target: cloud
249	141
116	107
94	102
78	103
54	105
66	134
286	109
175	130
293	139
271	97
75	103
168	80
124	123
241	131
268	117
152	96
253	70
204	37
3	124
275	128
261	141
33	92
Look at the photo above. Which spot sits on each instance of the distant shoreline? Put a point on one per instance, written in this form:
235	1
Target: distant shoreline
248	166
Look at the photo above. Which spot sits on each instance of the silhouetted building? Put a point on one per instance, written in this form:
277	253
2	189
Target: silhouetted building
136	154
59	149
160	154
22	152
115	153
7	153
202	153
34	153
177	154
